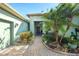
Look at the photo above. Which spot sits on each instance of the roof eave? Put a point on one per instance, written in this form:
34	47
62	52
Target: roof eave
11	10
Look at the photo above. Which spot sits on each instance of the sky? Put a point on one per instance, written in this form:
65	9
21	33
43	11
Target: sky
29	8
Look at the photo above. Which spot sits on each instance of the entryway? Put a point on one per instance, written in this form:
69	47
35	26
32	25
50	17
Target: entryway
38	28
5	33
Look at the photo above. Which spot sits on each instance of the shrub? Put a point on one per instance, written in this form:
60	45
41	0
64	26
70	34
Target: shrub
48	38
26	37
65	40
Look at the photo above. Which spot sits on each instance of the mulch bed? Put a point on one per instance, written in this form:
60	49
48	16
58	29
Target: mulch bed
61	50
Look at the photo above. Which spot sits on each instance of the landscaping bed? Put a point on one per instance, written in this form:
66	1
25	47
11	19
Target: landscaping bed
65	47
60	51
60	32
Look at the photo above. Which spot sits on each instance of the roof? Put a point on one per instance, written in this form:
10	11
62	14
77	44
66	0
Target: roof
9	9
37	14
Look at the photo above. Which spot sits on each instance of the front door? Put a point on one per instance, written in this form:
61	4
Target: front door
38	28
4	34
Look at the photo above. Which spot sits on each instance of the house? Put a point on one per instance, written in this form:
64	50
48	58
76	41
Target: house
37	24
11	24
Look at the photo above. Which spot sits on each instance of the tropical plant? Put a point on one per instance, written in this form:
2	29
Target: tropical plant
68	11
61	16
48	38
26	37
57	21
47	26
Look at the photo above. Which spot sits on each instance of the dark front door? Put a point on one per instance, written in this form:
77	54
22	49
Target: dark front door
38	28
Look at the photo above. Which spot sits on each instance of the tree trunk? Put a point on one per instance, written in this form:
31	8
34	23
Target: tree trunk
56	31
57	41
56	34
63	36
68	26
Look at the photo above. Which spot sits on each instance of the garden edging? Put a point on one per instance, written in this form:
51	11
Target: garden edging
67	54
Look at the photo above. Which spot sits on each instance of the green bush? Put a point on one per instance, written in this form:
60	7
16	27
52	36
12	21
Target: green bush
72	41
65	40
48	38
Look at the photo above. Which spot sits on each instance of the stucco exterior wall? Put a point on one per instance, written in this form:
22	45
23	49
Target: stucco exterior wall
37	18
22	26
32	29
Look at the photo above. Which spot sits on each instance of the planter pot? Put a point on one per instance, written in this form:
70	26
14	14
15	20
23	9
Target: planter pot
72	46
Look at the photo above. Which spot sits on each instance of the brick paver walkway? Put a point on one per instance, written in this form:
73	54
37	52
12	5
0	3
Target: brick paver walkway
36	49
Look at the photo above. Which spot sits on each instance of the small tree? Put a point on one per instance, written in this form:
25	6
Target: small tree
57	20
60	16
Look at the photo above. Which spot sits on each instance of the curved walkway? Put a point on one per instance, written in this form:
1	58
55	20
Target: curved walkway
36	49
